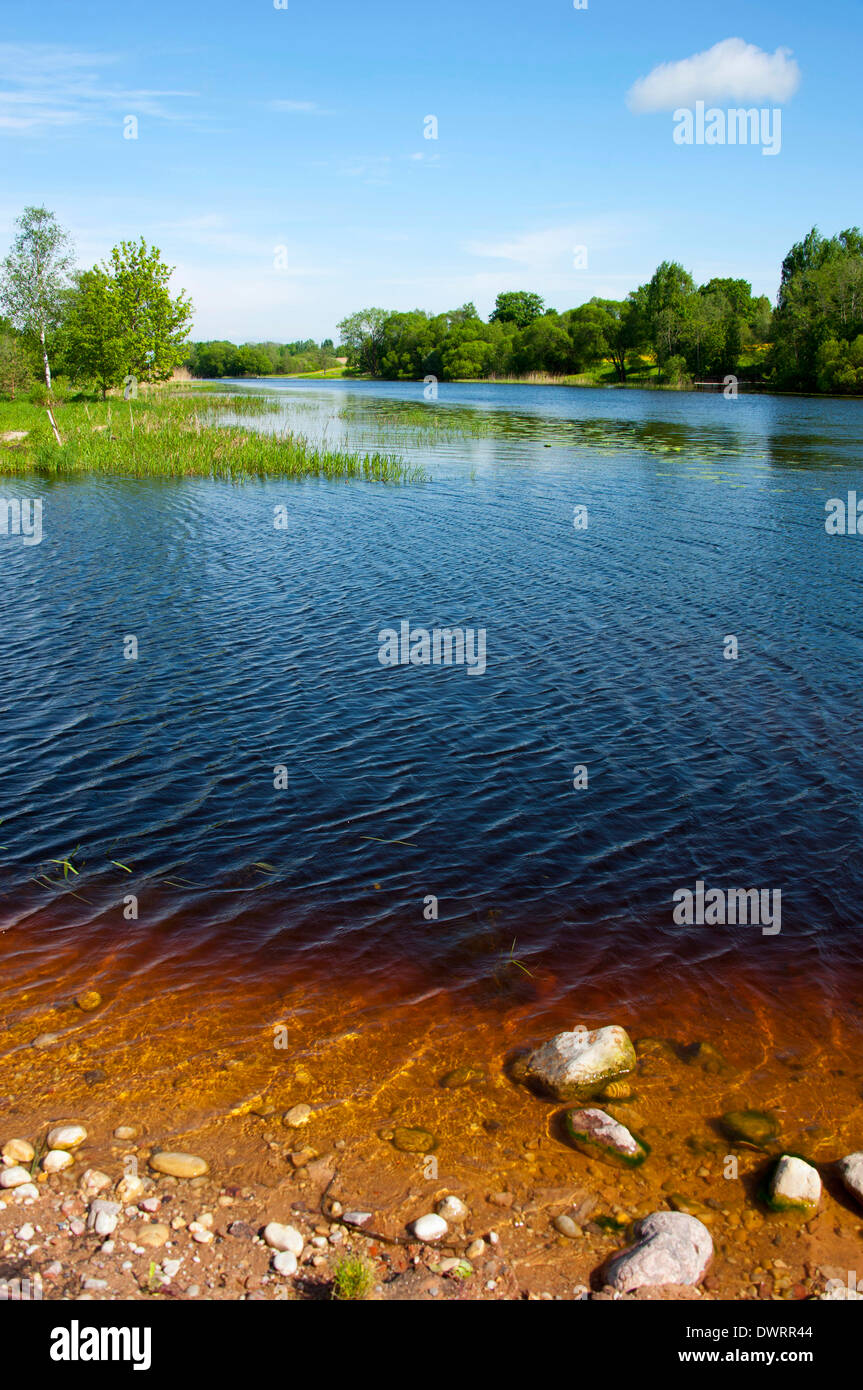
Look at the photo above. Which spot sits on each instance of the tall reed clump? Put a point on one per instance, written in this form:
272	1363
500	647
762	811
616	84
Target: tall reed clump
190	436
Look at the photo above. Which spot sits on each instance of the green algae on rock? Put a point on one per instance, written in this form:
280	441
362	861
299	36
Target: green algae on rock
756	1127
598	1135
794	1186
413	1141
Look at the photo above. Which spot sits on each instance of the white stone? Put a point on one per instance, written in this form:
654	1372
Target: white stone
27	1191
578	1064
795	1183
671	1248
94	1181
429	1227
356	1218
66	1136
283	1238
129	1189
298	1115
14	1176
452	1209
851	1173
56	1160
26	1232
103	1217
18	1151
285	1262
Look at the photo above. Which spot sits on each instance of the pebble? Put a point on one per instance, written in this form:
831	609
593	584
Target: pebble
129	1189
56	1160
475	1249
598	1135
26	1232
566	1226
851	1172
103	1217
89	1000
18	1151
285	1262
298	1115
46	1040
14	1176
179	1165
429	1227
171	1268
126	1132
152	1235
413	1141
794	1186
66	1136
94	1181
283	1238
202	1234
356	1218
452	1209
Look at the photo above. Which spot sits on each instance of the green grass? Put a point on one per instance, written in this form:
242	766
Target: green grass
353	1278
169	434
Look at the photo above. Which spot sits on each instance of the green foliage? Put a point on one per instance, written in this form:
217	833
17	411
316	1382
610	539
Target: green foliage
353	1278
154	326
819	315
16	364
35	277
520	307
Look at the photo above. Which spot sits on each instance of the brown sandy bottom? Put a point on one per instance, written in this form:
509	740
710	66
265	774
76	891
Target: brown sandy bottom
211	1064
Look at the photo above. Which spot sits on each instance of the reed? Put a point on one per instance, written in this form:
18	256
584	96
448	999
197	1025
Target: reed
190	435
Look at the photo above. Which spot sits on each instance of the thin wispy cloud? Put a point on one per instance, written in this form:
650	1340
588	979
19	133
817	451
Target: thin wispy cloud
550	247
731	70
45	87
298	108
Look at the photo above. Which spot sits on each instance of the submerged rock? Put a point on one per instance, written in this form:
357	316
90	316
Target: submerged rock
671	1248
413	1141
18	1151
452	1209
756	1127
794	1186
576	1065
597	1134
179	1165
655	1047
708	1057
88	1001
429	1227
463	1076
850	1170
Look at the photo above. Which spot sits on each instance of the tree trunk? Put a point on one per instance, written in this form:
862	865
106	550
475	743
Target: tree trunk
45	360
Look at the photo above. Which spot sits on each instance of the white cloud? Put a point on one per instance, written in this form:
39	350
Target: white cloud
732	69
551	248
45	86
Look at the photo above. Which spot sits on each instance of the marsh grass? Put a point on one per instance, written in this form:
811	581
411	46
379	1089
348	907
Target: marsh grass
169	435
353	1279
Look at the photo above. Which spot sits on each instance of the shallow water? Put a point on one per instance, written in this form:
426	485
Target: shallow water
258	649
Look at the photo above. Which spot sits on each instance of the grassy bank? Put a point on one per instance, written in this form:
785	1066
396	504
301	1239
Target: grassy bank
177	434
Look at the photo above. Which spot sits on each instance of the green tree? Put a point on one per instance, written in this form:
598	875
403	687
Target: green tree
155	325
363	339
16	364
520	307
94	330
35	278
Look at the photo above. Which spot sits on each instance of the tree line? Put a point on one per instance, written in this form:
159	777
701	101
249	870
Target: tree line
670	329
119	320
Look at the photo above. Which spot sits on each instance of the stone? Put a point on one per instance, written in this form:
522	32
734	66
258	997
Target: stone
567	1227
429	1227
88	1001
285	1262
179	1165
14	1176
850	1170
152	1235
599	1135
94	1181
66	1136
126	1132
298	1115
576	1065
452	1209
18	1151
56	1160
475	1249
756	1127
670	1248
413	1141
794	1186
26	1191
45	1040
280	1237
103	1217
356	1218
131	1188
463	1076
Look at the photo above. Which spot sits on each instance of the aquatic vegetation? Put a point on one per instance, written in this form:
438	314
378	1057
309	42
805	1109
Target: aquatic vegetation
353	1278
172	435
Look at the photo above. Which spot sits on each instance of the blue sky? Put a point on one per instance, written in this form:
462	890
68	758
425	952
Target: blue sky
303	128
